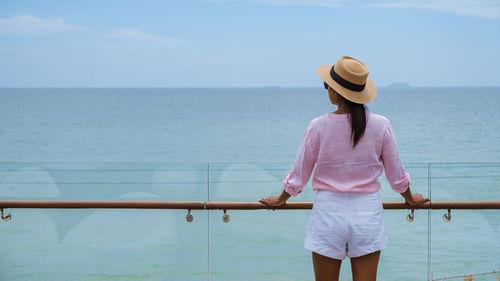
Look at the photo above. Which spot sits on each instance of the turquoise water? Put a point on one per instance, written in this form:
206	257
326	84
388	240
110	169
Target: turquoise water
228	145
232	125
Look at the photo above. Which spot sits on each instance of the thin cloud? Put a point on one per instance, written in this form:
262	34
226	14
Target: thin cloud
333	3
479	8
35	25
137	35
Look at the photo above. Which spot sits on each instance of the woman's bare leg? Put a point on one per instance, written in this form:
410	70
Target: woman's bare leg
326	268
364	268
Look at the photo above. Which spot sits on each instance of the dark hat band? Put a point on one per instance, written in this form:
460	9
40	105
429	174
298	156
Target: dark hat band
344	83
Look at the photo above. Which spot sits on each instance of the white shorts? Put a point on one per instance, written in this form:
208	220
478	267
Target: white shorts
346	224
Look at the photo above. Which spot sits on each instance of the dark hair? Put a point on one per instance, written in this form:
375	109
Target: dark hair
357	114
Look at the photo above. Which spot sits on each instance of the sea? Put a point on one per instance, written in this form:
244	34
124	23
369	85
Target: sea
230	144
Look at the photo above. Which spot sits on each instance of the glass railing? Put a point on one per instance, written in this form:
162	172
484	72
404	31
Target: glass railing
159	244
470	242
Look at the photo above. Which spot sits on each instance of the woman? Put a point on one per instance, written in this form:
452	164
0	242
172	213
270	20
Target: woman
350	148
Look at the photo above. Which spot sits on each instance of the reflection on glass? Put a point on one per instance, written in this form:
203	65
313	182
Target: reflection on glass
103	244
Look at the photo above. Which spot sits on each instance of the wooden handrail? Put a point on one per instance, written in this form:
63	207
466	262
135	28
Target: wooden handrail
209	205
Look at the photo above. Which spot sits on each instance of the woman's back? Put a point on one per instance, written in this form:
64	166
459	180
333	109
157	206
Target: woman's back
342	168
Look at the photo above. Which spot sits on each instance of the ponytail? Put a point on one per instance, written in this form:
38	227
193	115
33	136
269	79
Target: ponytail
357	113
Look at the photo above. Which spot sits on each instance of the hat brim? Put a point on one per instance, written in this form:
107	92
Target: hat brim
367	95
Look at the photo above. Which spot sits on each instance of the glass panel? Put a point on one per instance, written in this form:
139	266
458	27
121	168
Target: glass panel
406	256
469	242
103	244
103	181
465	181
256	244
251	181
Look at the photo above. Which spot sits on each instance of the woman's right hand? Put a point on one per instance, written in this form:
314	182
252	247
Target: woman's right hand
417	199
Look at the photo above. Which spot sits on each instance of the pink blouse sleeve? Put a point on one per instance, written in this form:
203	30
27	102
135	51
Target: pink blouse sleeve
394	170
302	168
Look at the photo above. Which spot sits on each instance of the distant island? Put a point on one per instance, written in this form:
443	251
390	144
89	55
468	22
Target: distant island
399	85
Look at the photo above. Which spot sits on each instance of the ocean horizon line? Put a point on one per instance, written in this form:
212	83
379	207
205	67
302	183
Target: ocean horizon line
231	87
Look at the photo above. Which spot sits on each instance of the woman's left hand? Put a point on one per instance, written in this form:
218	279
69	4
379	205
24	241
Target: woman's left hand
273	201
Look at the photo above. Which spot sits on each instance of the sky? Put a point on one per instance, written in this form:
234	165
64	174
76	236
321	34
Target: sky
254	43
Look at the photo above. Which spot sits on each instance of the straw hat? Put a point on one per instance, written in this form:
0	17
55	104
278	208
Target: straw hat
349	77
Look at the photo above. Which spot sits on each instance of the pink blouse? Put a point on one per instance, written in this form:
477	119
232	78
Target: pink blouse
339	167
